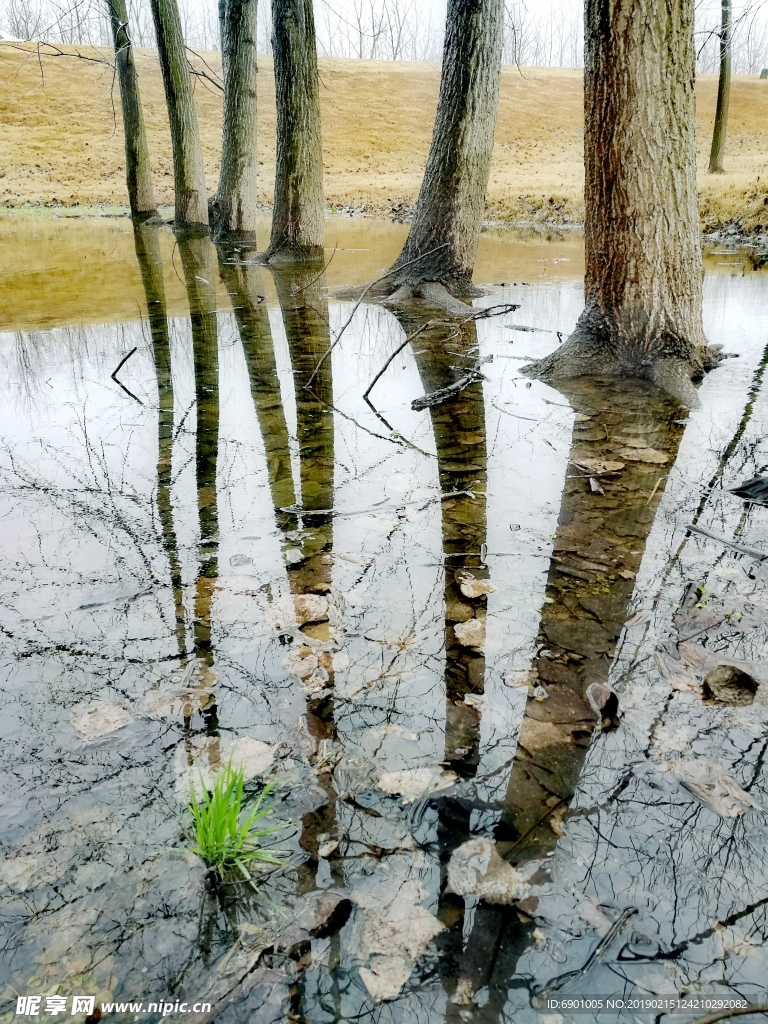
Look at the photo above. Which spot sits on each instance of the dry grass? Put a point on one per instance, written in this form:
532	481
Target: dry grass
61	137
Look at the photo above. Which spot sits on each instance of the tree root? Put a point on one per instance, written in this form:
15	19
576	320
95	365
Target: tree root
586	355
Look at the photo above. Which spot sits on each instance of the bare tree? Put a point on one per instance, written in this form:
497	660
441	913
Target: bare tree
723	92
234	206
188	172
439	254
138	172
643	257
298	227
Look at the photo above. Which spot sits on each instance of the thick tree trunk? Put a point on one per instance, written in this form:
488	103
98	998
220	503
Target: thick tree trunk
445	232
234	205
642	313
188	172
723	93
298	228
138	173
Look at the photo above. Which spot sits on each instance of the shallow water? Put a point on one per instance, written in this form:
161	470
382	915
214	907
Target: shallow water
166	530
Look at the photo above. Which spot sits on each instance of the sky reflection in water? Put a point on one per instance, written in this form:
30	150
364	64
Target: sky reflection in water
158	541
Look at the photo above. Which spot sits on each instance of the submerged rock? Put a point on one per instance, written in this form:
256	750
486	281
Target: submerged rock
99	719
471	633
728	684
476	869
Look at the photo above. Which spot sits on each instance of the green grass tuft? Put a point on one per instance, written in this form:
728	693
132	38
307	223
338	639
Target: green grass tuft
227	831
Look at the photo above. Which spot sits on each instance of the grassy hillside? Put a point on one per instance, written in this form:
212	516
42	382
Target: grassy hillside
61	137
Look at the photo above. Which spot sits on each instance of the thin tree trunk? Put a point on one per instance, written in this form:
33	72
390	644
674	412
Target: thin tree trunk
188	171
198	262
451	202
234	206
298	228
723	93
148	253
138	173
643	276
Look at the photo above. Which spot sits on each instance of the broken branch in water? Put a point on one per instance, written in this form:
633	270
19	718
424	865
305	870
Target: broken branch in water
443	394
121	364
356	306
762	555
395	354
119	383
479	314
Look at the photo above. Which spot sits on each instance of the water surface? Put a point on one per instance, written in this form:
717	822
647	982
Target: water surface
467	571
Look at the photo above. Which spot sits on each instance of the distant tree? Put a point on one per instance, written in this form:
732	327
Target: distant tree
723	92
191	200
298	228
438	257
233	208
643	256
138	172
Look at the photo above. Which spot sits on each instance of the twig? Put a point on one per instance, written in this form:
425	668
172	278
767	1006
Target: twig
762	555
317	278
119	383
356	306
121	364
394	355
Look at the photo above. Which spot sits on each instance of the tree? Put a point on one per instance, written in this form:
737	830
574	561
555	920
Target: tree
723	92
298	227
642	314
439	255
138	173
188	172
234	208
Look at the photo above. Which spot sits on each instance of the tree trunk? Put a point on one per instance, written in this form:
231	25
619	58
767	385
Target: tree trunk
723	93
298	228
138	173
642	313
188	172
197	260
234	206
448	218
149	255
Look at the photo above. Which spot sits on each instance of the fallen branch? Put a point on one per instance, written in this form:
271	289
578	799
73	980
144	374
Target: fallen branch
395	354
357	305
443	394
121	364
753	552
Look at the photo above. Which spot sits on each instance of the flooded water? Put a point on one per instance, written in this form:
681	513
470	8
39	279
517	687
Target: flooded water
214	549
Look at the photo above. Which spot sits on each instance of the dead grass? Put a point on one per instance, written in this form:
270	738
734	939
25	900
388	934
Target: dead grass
61	138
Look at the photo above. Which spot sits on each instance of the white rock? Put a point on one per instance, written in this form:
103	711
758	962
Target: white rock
99	718
476	869
199	761
411	783
470	633
472	587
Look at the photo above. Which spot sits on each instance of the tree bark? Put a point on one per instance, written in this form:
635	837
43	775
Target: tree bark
723	93
188	171
234	205
298	226
138	173
445	232
642	314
